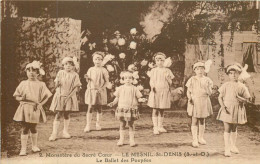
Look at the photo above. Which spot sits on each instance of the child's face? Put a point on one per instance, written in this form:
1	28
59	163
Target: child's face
68	66
199	71
233	75
32	74
97	61
128	79
159	61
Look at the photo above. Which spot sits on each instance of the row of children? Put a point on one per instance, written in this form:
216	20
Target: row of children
33	94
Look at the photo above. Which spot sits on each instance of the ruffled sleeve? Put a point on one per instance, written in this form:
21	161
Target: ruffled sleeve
222	90
77	82
117	92
210	83
58	76
169	72
245	92
189	84
45	93
106	75
138	93
152	78
19	91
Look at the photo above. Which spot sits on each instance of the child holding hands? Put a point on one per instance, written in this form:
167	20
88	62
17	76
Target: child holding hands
32	95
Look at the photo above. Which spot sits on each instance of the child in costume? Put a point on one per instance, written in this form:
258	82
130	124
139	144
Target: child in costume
127	97
32	95
199	88
232	96
96	93
65	101
160	95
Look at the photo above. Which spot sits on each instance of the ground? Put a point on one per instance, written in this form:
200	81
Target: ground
172	146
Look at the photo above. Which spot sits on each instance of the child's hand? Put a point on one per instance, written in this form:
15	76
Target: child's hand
39	107
142	100
87	78
191	101
110	104
225	109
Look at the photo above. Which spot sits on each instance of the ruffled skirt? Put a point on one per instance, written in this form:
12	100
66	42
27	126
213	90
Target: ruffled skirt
160	100
201	107
93	97
59	104
27	113
236	115
127	114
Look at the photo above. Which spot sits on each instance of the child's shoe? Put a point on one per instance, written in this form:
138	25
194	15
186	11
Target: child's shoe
24	139
98	127
156	131
201	134
160	126
131	138
53	136
227	144
233	138
34	138
155	125
121	139
194	132
65	133
88	118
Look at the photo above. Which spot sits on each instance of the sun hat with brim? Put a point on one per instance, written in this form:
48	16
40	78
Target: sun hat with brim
236	67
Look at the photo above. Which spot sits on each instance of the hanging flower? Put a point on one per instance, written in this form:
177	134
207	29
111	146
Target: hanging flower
92	46
106	48
140	87
104	41
131	67
110	68
133	45
121	41
151	65
135	75
113	41
144	62
133	31
135	82
122	55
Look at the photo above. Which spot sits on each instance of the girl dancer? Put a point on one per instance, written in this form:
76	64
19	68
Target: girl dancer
67	83
159	97
32	95
232	111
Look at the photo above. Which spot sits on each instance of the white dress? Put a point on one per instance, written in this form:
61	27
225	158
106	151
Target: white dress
200	89
161	98
96	93
69	81
237	111
34	92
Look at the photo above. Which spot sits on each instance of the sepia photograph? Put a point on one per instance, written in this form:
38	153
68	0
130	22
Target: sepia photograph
141	82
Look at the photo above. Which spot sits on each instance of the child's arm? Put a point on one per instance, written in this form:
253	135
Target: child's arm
221	102
113	103
20	98
189	96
